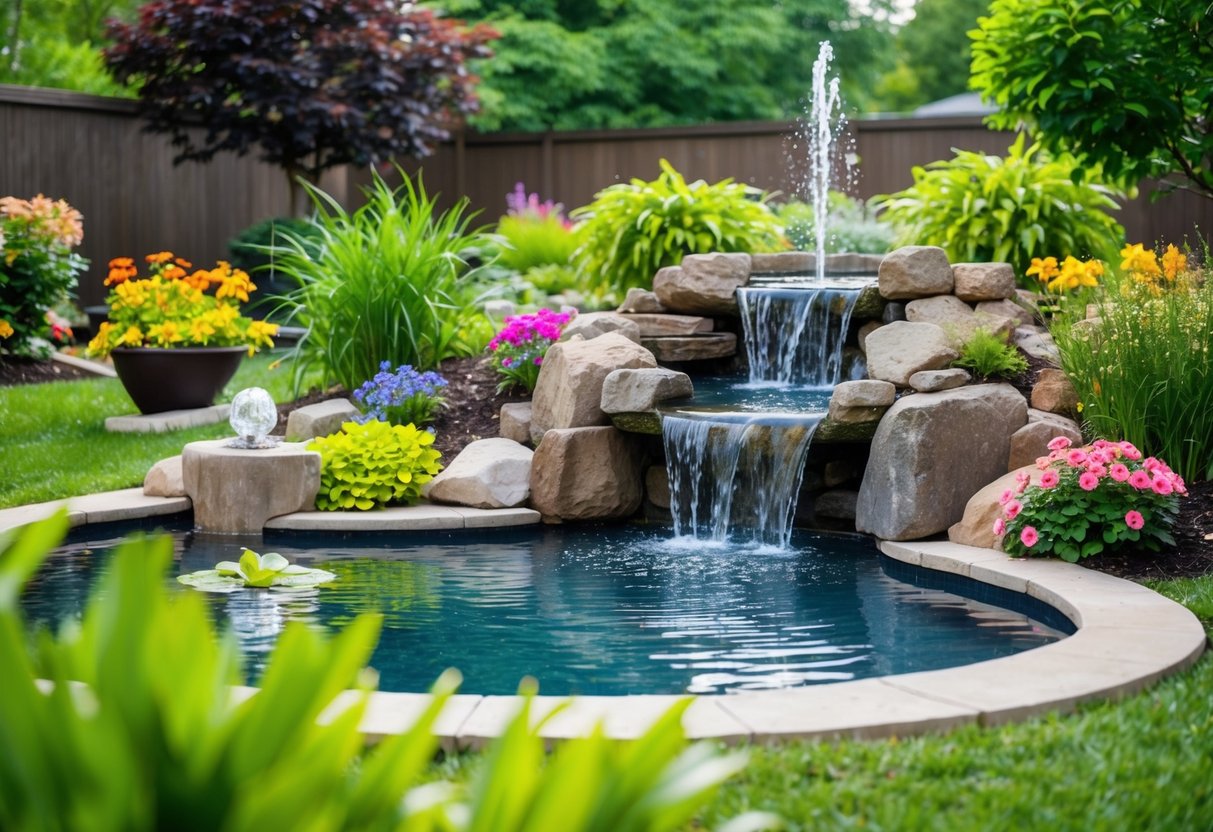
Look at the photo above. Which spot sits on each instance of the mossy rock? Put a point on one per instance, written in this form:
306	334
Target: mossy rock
644	422
869	305
830	430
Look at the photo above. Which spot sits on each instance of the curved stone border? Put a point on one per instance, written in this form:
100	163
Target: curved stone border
1128	637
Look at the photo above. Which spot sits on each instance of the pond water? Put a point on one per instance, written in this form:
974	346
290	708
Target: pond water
600	610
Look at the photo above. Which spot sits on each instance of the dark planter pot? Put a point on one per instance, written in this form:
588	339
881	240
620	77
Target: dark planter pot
158	380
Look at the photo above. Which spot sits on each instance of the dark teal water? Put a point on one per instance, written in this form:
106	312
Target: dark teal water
600	610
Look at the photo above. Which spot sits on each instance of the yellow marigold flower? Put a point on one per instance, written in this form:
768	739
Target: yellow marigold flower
1173	263
132	337
165	333
1140	261
201	330
132	294
1044	269
6	329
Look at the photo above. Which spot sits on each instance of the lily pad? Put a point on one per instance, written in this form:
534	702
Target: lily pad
267	571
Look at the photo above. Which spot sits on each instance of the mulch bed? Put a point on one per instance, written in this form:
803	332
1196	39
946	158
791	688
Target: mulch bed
472	411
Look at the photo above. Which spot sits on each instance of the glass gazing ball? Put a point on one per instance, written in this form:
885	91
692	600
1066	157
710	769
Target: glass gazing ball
253	415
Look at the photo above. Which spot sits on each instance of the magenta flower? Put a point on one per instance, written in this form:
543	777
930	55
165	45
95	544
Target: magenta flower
1012	509
1134	520
1130	450
1139	480
1049	479
1059	443
1097	469
1161	485
1028	536
1088	481
1000	527
1076	458
1119	472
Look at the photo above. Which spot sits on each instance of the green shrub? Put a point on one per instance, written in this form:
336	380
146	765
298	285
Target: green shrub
532	240
138	730
988	355
391	282
850	226
374	464
252	251
1143	368
1006	209
631	230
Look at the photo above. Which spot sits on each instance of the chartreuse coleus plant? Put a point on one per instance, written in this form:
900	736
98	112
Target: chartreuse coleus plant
257	571
631	230
125	720
374	464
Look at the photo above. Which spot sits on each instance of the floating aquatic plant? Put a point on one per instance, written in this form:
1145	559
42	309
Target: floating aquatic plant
254	570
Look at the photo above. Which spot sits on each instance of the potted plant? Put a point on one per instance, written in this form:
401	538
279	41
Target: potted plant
177	336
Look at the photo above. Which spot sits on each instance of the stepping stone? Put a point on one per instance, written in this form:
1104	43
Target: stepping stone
653	325
169	420
668	348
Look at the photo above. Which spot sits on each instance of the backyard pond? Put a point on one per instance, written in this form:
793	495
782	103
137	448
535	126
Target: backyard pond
599	610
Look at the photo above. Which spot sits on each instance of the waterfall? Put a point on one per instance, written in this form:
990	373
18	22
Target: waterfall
795	336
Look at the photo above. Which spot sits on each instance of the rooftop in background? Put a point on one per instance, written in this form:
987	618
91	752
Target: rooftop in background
965	104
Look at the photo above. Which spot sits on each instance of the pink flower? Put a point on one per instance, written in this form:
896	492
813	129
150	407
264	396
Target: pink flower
1028	536
1000	527
1139	480
1012	509
1180	488
1049	479
1098	457
1059	443
1042	462
1151	464
1075	458
1161	485
1006	497
1134	520
1097	470
1088	481
1130	450
1119	472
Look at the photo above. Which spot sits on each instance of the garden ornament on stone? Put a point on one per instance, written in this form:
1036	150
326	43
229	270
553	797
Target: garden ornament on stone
253	416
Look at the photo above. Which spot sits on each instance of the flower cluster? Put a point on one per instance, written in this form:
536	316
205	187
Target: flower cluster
402	397
1071	275
1145	266
519	347
172	308
521	204
37	269
1102	496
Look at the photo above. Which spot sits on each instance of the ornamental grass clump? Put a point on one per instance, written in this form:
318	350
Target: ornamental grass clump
374	464
172	308
988	355
38	270
1101	497
401	397
518	349
1142	365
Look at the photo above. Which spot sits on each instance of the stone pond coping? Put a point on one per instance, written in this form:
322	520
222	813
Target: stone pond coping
1127	638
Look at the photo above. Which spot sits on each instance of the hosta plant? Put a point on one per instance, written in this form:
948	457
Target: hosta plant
1101	497
401	397
631	230
255	571
374	464
518	349
984	208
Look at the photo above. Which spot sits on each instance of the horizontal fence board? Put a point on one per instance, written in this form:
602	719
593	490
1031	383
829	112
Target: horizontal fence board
93	152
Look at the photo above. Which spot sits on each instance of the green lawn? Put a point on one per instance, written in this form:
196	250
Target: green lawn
54	443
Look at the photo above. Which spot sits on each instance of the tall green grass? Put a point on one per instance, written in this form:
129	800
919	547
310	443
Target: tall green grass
533	241
393	281
1144	370
54	443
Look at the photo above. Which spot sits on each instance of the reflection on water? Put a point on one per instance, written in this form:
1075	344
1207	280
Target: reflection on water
593	610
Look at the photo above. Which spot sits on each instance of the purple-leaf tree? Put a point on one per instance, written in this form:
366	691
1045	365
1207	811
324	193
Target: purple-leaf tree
311	83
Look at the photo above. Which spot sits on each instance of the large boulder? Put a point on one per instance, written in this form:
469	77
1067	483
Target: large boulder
956	318
488	473
983	281
569	391
704	284
915	272
633	391
898	350
586	474
976	525
234	491
931	453
1021	315
592	324
1032	440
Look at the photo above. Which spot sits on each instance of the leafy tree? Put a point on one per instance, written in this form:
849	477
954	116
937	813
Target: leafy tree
932	53
570	65
1126	84
312	83
55	43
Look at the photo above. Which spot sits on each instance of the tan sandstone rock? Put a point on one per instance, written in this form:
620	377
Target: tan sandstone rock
983	281
897	350
165	479
915	272
976	525
586	474
704	284
235	491
487	473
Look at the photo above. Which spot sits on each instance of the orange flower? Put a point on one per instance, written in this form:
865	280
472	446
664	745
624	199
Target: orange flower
159	257
122	269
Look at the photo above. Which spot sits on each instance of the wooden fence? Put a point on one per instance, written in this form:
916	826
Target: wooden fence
92	152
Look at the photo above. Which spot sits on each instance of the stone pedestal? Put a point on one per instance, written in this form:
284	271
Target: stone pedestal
235	491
